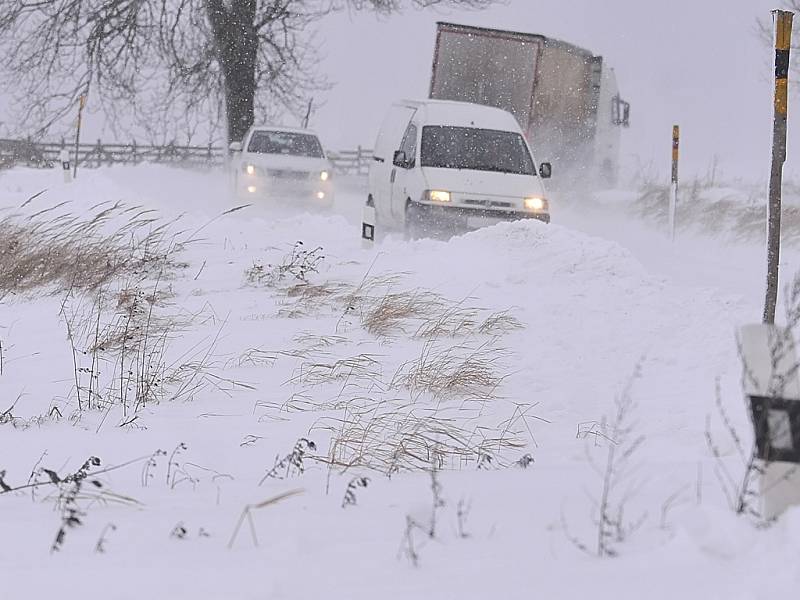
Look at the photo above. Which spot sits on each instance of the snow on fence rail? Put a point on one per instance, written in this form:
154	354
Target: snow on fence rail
46	155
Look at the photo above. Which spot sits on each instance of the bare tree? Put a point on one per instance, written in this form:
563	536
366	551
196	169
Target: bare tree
168	66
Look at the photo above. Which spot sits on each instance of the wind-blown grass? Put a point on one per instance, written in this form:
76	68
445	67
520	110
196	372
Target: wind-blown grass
54	250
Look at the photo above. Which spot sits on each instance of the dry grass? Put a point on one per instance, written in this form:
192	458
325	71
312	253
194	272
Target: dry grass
386	315
136	316
297	265
422	314
315	341
309	345
362	367
371	427
304	299
316	293
56	251
736	209
382	310
446	386
110	267
302	402
121	345
452	372
446	321
391	436
500	323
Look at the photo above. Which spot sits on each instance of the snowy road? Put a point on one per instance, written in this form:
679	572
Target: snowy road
534	329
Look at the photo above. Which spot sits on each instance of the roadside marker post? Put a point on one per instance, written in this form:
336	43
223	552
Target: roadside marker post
783	39
63	158
673	191
772	389
368	225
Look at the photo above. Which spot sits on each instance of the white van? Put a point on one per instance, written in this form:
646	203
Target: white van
440	166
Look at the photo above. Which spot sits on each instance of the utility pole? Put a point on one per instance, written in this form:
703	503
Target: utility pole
81	104
783	38
307	118
673	190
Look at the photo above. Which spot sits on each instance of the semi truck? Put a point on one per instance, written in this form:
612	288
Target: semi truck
565	98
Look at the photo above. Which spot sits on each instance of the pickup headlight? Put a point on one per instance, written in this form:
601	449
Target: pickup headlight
438	196
535	203
324	176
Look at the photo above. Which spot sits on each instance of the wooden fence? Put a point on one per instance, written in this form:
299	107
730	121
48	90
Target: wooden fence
46	155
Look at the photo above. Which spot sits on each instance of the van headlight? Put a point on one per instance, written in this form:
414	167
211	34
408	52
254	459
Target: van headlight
324	176
438	196
252	170
535	203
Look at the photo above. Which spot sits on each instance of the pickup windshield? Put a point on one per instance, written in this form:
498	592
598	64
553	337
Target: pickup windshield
476	149
285	142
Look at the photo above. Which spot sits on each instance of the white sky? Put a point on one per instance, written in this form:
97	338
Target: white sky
698	63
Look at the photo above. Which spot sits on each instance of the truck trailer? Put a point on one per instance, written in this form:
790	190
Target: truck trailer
565	98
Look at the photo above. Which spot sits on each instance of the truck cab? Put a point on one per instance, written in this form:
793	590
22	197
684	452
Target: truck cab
442	166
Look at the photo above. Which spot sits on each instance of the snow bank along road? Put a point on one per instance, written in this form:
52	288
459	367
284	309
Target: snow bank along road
443	410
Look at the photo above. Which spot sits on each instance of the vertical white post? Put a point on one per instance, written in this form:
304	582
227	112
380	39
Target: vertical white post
673	191
63	158
770	362
368	225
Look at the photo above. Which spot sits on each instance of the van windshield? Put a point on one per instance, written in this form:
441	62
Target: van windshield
285	142
476	149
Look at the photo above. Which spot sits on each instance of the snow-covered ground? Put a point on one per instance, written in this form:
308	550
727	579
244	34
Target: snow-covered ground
507	344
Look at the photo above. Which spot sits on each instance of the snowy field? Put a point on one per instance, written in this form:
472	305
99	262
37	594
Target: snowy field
474	383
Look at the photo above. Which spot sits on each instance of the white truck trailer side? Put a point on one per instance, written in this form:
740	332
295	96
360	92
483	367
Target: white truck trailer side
565	99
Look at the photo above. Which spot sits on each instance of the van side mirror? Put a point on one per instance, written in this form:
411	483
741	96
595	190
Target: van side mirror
399	159
545	170
235	146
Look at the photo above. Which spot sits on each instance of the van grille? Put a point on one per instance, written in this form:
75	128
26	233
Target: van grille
488	203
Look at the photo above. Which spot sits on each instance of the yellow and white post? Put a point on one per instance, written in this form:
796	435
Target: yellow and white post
780	479
673	190
783	39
